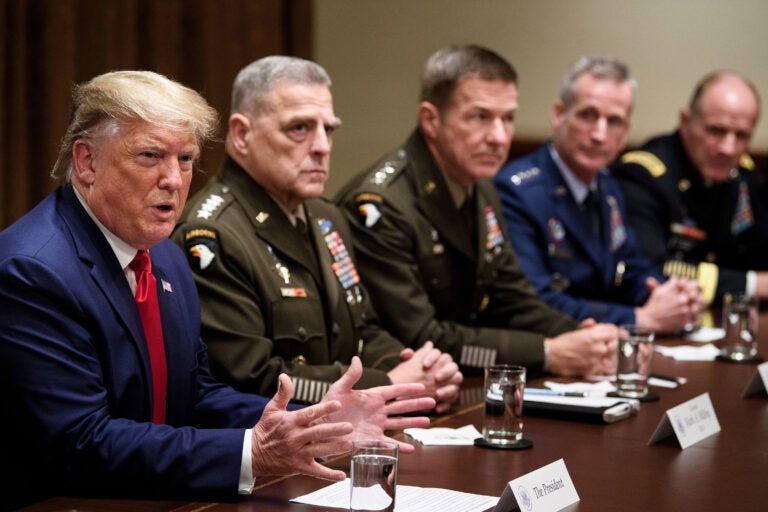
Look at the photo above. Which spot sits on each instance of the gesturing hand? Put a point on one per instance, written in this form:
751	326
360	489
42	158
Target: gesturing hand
286	443
374	411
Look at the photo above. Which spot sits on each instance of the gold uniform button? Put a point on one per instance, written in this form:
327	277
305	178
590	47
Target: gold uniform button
299	360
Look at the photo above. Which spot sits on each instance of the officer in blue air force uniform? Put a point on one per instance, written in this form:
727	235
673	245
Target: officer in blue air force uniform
567	214
580	272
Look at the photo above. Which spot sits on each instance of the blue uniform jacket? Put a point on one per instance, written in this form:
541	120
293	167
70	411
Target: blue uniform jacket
75	376
568	265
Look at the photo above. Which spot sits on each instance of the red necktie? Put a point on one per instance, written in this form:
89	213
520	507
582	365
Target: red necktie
146	300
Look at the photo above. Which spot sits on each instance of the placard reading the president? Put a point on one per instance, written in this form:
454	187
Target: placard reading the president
547	489
690	421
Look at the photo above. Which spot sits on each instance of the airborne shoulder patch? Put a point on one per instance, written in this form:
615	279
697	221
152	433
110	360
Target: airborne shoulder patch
369	208
201	244
645	159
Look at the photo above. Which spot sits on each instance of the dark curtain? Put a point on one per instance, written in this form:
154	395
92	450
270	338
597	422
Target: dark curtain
46	46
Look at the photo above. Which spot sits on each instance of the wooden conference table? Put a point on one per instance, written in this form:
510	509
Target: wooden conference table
612	467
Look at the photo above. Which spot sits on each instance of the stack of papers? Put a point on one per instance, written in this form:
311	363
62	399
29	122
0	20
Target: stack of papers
407	499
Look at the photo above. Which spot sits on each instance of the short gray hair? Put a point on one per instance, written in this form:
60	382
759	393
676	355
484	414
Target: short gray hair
102	104
447	67
259	78
599	67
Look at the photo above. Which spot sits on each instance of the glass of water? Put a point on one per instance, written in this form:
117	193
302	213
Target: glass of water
635	355
740	319
373	476
503	420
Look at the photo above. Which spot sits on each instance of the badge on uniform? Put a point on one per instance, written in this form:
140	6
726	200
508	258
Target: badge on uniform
201	247
369	208
618	231
743	218
556	232
494	237
342	264
210	205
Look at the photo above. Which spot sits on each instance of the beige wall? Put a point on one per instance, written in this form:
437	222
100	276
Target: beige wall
374	51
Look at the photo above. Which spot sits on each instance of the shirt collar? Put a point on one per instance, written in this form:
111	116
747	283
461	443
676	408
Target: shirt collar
124	252
459	194
577	187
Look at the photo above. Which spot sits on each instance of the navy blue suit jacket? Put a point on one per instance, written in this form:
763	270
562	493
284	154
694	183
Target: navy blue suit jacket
75	376
572	269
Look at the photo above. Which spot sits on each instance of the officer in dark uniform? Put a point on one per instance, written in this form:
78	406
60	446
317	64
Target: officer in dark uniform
568	213
692	195
273	262
431	241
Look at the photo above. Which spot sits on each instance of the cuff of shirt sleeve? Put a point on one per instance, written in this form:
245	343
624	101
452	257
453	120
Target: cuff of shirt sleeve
246	466
751	286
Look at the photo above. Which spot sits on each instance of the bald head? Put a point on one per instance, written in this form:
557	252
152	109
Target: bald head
717	126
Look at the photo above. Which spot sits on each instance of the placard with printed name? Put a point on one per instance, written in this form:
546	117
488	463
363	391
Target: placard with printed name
690	421
547	489
759	383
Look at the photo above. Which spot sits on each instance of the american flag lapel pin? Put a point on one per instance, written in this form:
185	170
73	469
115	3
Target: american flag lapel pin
167	288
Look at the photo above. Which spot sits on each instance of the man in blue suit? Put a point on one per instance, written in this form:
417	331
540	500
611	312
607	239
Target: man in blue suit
76	384
566	214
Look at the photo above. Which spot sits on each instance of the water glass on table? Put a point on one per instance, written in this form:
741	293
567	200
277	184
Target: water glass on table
373	476
503	418
635	355
740	319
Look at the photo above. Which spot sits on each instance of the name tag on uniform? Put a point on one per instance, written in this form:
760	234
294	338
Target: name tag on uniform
546	489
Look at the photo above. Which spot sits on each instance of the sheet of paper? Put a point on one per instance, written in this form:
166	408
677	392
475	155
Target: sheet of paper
599	388
407	499
706	334
690	353
441	436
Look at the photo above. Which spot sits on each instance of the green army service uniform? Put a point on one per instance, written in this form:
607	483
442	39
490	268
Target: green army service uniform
437	274
272	301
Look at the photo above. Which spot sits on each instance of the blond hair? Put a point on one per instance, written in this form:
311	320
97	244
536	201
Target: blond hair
101	105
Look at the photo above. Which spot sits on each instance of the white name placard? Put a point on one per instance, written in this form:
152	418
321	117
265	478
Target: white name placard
548	489
690	421
759	382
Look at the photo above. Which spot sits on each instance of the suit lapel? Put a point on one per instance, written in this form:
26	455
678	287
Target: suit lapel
270	223
434	201
106	272
575	222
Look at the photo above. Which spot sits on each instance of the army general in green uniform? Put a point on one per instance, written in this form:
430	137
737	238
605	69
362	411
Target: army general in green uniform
431	239
273	261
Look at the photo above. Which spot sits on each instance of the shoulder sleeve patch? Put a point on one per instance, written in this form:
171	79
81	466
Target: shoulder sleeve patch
746	162
369	208
201	245
645	159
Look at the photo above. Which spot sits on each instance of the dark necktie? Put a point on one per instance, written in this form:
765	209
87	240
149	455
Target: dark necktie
146	301
467	212
592	206
301	227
